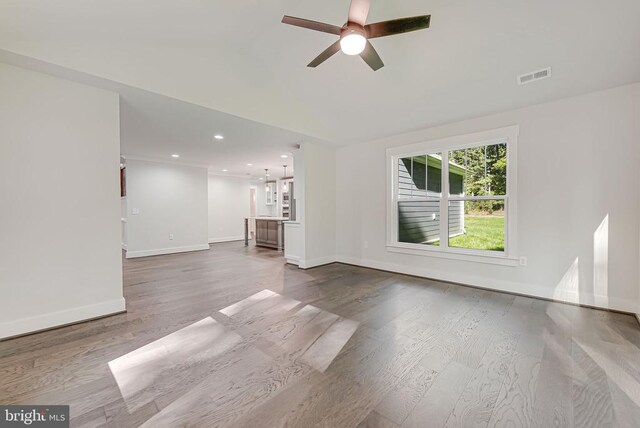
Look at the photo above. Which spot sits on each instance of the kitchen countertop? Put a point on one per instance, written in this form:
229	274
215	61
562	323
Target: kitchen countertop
269	218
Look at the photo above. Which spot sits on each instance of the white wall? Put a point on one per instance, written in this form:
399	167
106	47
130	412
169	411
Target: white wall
228	207
60	256
577	200
171	200
318	218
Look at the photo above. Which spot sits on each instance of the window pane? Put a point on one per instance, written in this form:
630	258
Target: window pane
420	176
405	184
434	174
419	222
477	225
466	172
497	169
478	171
456	179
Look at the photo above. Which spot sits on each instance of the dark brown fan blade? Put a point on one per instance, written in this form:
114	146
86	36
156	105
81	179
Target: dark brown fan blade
358	11
397	26
325	55
312	25
371	57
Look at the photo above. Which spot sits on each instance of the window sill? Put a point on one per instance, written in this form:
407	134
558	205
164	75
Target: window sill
500	260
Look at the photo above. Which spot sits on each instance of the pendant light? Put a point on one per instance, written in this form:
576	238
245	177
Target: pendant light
266	177
285	186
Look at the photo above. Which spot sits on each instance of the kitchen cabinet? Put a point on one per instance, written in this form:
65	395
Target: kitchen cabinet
269	232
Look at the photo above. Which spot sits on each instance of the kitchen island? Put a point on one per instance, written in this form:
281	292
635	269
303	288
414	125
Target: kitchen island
269	231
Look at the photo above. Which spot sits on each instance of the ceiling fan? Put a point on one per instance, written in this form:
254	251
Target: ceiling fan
355	34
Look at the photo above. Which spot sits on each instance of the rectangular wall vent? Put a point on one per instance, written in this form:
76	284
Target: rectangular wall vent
534	75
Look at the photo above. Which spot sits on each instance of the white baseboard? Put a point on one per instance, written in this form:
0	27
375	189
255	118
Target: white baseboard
226	239
60	318
602	302
308	264
160	251
292	260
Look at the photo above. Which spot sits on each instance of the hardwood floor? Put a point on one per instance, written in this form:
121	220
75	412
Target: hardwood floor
234	337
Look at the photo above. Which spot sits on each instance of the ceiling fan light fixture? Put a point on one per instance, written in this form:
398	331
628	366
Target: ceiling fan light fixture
353	41
355	34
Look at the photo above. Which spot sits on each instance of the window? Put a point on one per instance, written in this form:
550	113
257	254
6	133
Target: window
461	206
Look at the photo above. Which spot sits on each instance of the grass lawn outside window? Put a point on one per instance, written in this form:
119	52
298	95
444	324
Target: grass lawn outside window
482	232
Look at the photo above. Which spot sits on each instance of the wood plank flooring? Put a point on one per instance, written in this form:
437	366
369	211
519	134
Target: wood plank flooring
234	337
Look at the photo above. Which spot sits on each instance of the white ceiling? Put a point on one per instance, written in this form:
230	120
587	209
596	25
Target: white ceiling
236	56
154	127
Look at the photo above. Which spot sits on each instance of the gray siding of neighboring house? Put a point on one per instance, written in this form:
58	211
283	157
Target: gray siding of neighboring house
456	218
419	221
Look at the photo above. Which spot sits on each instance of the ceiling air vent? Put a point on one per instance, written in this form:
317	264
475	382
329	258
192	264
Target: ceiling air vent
534	75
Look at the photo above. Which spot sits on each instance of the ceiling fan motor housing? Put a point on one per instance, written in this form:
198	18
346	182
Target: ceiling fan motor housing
353	28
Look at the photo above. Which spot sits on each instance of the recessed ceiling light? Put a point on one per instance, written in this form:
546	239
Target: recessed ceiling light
284	156
175	156
260	178
225	170
218	137
249	164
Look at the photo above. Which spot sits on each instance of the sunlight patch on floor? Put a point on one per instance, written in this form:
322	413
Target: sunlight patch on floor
265	332
255	298
311	334
140	373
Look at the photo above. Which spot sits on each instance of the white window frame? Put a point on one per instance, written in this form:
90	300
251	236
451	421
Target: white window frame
508	135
